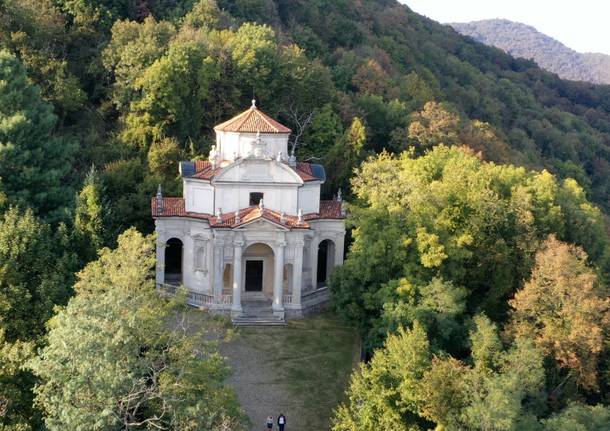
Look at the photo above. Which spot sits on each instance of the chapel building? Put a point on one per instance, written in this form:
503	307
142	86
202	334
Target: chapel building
250	235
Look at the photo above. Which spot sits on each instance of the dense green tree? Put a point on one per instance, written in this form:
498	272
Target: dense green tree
406	387
129	189
204	14
174	90
133	48
163	157
323	132
121	356
34	162
35	275
438	306
449	215
344	156
578	417
36	31
89	216
384	394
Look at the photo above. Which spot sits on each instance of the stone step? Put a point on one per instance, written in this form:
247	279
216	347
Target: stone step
258	321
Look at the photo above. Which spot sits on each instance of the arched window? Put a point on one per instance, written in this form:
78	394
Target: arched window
326	261
173	261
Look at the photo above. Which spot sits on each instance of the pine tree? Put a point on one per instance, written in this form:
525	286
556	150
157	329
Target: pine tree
34	162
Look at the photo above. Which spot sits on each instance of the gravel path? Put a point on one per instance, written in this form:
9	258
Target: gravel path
260	390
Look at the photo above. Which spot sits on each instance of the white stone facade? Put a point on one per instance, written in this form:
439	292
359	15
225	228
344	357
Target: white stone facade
250	225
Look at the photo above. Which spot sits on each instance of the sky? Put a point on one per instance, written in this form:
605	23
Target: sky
581	25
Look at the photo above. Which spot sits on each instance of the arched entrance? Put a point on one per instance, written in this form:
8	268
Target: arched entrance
173	261
258	261
326	261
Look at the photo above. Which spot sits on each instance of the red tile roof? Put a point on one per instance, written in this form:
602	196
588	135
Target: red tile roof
328	210
204	171
251	121
174	207
305	172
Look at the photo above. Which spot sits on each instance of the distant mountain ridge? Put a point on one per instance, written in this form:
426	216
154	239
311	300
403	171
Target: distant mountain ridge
521	40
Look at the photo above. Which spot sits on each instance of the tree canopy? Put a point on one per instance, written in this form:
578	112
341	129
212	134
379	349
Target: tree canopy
120	356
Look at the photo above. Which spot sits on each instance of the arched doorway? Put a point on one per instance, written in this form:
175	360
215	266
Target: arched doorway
326	261
258	261
173	261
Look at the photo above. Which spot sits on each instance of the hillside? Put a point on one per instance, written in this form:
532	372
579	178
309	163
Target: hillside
132	96
524	41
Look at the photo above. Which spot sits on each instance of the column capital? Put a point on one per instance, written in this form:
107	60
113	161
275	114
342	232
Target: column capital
238	240
280	243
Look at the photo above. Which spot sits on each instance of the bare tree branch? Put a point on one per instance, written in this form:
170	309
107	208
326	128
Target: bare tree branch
300	121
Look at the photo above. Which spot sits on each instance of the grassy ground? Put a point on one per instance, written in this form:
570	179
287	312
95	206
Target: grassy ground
301	370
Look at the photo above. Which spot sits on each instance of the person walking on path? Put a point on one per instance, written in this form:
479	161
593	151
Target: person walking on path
269	422
281	421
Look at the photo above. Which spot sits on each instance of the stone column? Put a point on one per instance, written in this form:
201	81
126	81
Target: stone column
313	259
160	268
278	280
237	251
219	257
297	272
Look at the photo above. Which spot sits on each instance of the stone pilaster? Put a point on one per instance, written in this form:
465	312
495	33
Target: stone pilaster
297	272
238	244
278	279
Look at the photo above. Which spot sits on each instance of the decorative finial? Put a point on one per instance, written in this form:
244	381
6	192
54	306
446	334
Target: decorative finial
339	196
300	216
261	205
253	103
159	200
279	156
237	218
213	157
283	218
219	214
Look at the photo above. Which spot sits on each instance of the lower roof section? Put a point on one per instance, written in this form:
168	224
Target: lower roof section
174	207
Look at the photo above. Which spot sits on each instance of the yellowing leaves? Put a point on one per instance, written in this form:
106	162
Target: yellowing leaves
432	252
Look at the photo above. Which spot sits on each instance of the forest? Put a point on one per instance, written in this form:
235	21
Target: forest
478	187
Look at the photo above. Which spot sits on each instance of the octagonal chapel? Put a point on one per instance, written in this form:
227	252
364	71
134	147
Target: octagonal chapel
250	235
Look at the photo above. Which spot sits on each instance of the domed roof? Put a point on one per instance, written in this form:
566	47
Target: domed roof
252	121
